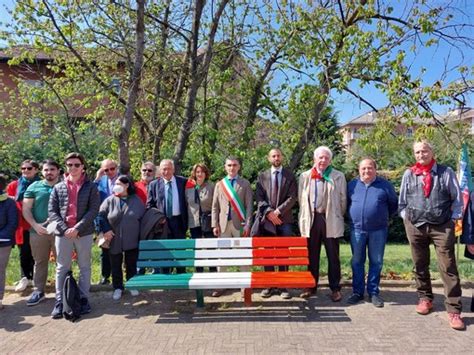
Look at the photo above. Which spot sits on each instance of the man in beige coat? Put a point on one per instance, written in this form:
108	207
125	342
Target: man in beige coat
232	206
226	221
322	199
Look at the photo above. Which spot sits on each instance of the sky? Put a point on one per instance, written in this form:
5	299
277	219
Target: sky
432	59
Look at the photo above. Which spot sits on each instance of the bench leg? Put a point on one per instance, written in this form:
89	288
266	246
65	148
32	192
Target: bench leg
199	298
248	297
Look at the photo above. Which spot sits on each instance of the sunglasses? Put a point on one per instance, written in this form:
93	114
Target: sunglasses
76	165
107	170
27	168
147	170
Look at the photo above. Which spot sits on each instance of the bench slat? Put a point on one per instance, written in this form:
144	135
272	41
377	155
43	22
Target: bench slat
290	279
223	253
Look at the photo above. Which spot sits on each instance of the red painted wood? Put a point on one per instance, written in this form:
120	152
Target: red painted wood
290	279
248	297
279	242
283	261
279	253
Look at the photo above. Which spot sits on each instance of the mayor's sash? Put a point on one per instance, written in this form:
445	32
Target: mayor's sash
233	199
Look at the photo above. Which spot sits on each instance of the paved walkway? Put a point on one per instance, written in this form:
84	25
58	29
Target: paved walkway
168	322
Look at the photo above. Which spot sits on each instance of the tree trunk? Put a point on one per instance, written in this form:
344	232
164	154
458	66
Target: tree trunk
127	121
196	77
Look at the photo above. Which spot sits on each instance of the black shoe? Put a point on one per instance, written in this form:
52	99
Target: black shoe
377	301
104	281
285	294
57	312
355	298
85	306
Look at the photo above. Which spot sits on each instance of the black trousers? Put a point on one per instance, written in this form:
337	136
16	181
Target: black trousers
175	231
27	262
105	267
316	239
116	260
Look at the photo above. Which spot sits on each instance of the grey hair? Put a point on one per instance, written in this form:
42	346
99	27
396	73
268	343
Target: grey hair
425	143
321	149
164	161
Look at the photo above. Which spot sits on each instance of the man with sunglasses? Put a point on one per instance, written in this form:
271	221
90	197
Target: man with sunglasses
16	190
35	212
73	206
148	171
105	181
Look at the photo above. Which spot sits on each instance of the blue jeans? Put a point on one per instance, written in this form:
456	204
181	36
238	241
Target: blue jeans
375	240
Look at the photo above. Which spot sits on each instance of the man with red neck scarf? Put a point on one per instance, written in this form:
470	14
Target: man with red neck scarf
322	198
430	201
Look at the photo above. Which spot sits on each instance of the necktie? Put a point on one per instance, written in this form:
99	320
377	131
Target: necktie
274	199
169	200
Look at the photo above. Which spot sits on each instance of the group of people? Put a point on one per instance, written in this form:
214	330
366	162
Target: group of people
62	215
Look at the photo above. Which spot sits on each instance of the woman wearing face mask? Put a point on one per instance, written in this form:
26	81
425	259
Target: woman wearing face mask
119	218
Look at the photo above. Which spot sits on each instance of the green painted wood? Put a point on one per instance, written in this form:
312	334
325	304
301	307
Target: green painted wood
166	254
200	298
165	263
167	244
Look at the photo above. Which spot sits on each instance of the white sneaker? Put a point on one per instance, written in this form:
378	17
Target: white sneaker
21	285
134	293
117	294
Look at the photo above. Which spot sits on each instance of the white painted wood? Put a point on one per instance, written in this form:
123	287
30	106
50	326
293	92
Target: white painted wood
224	243
223	253
223	262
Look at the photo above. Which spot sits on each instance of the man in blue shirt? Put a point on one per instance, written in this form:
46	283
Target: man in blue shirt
371	200
105	180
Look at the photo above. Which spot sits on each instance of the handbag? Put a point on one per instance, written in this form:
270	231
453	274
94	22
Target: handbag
205	220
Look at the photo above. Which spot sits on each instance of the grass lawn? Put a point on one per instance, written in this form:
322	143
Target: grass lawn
397	264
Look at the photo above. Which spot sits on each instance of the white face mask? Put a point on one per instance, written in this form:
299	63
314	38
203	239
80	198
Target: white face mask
118	189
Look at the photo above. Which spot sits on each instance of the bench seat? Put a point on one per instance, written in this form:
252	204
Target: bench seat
223	252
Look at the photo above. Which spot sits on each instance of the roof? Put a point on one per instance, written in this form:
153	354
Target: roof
367	118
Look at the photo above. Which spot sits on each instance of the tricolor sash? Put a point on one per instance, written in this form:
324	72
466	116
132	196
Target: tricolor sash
233	199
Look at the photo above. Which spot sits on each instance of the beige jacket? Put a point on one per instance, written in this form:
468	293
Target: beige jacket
335	207
220	205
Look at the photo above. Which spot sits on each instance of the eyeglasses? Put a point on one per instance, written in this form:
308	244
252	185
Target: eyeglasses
107	170
27	168
76	165
147	170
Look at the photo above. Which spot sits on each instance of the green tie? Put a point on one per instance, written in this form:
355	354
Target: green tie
169	201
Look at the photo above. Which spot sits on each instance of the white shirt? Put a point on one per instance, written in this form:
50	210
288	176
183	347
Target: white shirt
174	186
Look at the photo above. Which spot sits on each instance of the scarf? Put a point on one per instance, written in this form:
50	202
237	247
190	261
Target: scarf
316	175
23	184
424	170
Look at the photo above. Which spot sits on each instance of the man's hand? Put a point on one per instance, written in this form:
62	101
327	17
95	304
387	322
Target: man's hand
272	217
470	248
71	233
109	235
40	229
216	231
99	174
246	232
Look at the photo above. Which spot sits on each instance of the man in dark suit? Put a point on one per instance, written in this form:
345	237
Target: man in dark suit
167	194
277	193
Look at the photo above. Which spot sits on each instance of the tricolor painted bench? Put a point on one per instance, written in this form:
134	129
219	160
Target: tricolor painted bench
192	253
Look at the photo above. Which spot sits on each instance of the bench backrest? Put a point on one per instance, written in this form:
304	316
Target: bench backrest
257	251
